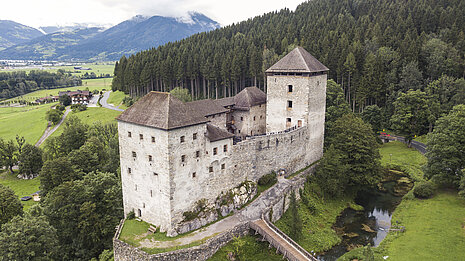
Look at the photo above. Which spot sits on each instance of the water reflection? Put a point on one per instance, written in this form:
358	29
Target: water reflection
365	227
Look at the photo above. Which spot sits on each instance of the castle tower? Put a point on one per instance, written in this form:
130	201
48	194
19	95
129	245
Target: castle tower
157	136
296	97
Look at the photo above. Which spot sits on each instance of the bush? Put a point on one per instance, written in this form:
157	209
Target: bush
267	179
128	101
424	190
78	107
60	107
131	215
190	215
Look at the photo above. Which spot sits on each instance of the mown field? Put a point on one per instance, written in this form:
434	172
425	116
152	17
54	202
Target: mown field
89	116
97	68
21	187
27	121
116	98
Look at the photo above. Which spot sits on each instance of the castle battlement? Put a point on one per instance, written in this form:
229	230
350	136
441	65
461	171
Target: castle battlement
174	154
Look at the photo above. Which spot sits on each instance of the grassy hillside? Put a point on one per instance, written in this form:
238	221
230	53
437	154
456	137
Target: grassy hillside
27	121
21	187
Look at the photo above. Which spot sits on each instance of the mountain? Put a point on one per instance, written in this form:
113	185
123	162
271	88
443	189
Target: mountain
68	28
12	33
133	35
49	47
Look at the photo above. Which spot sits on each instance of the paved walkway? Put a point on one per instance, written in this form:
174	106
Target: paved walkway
249	213
105	104
49	131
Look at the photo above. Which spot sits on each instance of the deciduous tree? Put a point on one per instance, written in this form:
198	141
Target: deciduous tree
10	205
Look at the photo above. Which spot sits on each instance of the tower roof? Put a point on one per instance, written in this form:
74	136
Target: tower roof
163	111
298	60
250	96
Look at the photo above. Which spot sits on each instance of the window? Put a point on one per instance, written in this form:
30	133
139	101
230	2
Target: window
261	117
194	136
242	118
183	158
143	205
223	166
254	118
197	154
289	104
135	187
155	174
225	148
182	139
215	151
150	157
210	169
129	134
129	170
239	131
141	136
193	174
134	154
151	194
153	139
289	88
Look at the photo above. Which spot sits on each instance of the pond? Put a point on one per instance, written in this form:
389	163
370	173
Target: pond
370	226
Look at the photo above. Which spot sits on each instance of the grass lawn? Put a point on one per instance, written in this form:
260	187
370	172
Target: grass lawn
91	115
27	121
21	187
435	229
317	234
397	153
97	68
423	139
92	84
251	250
116	98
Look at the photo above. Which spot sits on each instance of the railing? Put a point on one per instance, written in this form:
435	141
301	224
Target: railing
288	239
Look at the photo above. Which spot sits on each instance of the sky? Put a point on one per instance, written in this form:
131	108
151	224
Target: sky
36	13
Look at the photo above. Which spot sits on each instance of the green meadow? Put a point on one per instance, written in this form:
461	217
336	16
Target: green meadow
116	98
21	187
26	121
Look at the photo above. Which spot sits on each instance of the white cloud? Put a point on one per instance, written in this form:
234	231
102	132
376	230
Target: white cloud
60	12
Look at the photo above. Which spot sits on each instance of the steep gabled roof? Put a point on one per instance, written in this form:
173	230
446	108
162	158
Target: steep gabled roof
225	102
214	133
250	96
163	111
298	60
207	107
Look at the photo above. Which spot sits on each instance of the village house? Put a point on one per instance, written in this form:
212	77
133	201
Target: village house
78	97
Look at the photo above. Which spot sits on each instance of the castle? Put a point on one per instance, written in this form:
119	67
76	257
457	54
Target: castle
174	154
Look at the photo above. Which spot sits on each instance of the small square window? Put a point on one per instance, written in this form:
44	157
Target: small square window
134	154
223	166
182	139
194	136
225	148
288	120
129	170
153	139
242	118
150	157
215	151
254	118
197	154
141	136
239	131
289	88
210	169
129	134
183	158
289	104
193	174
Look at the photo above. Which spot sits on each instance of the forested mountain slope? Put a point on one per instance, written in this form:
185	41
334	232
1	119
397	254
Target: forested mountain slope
12	33
374	48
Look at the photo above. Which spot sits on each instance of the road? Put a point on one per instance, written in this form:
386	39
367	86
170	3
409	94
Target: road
105	104
49	131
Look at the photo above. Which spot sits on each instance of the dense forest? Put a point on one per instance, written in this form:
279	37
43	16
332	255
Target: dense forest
18	83
374	48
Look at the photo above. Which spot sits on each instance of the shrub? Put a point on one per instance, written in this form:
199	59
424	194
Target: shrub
78	107
267	179
424	190
60	107
190	215
128	101
131	215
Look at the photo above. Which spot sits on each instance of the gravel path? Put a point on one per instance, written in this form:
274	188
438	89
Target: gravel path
105	104
49	131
